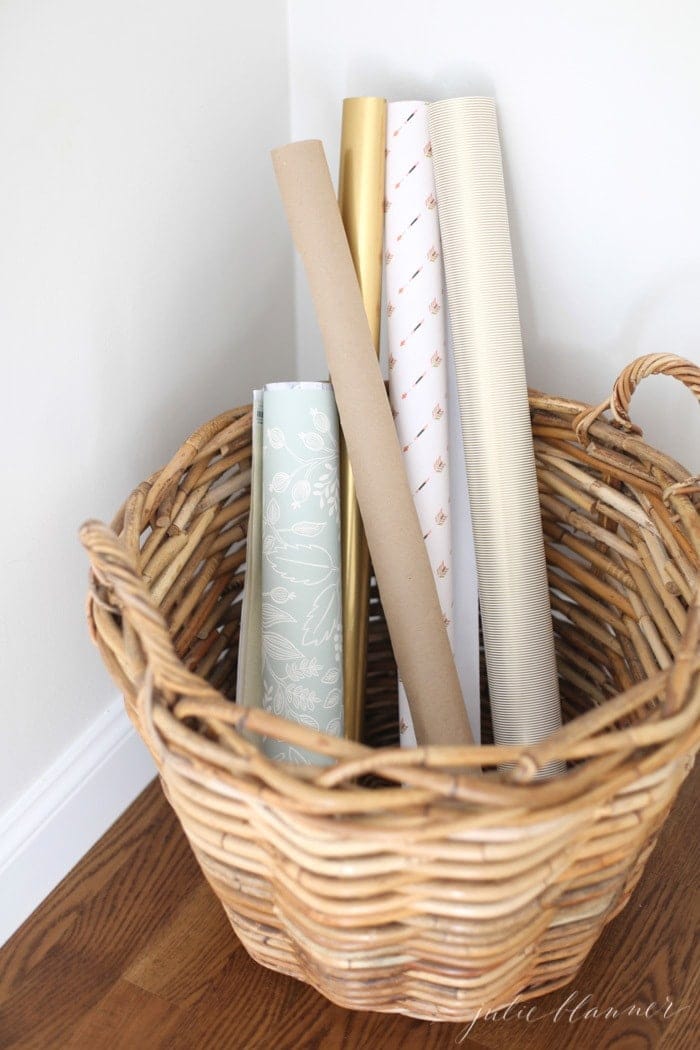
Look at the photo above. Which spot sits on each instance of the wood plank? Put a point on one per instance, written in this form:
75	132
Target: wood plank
255	1008
187	955
127	1018
68	953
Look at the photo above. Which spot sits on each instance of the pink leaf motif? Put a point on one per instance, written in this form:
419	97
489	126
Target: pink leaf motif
438	412
434	306
436	359
442	570
430	202
432	255
439	465
440	517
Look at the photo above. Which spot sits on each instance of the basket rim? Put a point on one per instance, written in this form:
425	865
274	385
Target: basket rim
587	739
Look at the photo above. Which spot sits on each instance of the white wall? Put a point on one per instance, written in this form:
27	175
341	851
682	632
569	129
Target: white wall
146	276
145	285
599	105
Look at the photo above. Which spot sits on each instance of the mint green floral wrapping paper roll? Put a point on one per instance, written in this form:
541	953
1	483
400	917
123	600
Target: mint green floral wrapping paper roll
302	660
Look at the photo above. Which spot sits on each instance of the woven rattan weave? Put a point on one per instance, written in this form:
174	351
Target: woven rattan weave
400	880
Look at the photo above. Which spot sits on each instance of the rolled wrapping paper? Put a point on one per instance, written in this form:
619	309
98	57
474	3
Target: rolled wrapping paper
249	669
418	388
466	585
361	196
301	612
400	561
489	365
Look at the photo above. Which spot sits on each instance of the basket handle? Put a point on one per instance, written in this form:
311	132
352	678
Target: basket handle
627	382
113	565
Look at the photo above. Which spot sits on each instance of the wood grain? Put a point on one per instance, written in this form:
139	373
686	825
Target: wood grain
133	950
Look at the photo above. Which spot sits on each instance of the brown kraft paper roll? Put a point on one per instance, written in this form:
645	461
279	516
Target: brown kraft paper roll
400	561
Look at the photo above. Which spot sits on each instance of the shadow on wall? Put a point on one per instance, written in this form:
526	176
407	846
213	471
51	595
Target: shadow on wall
204	342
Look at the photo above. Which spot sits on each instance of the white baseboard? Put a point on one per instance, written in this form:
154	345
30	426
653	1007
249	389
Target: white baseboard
47	831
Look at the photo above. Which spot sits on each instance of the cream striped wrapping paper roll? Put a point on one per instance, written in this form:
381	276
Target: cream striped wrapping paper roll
489	363
419	394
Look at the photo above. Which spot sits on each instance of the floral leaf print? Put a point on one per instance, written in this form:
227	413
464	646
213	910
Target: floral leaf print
331	676
333	727
303	699
327	489
306	668
308	721
321	421
280	482
302	563
321	620
312	441
275	437
300	493
272	512
281	595
272	614
308	529
269	544
333	698
279	701
294	755
277	647
294	673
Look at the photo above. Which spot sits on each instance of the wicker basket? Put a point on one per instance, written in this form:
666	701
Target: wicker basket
398	880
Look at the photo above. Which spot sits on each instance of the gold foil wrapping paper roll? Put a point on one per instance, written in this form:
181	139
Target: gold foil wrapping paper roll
361	200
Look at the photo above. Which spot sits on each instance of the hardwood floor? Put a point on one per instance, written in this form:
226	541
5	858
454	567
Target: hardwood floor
133	951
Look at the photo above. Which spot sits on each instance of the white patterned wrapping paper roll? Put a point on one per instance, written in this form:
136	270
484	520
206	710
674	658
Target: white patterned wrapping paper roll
490	368
418	388
302	660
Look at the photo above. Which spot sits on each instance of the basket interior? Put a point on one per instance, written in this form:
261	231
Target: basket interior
622	569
